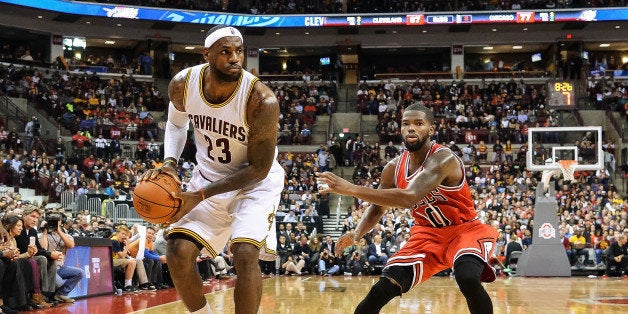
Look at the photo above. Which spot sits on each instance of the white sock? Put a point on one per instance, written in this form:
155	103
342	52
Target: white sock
128	282
204	310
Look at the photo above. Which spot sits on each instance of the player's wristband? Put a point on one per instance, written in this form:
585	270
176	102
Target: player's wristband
172	161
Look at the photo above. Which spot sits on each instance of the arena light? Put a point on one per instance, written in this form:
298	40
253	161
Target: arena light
109	42
624	60
488	48
517	47
189	48
604	45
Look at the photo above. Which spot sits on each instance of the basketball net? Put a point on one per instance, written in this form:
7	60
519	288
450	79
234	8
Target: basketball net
566	169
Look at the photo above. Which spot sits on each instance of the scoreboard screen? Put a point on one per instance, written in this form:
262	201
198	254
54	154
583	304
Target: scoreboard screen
561	94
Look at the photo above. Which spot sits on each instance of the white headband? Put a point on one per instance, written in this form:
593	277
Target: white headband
220	33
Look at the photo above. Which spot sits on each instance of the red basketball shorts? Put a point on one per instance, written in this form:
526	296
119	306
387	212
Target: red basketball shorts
431	250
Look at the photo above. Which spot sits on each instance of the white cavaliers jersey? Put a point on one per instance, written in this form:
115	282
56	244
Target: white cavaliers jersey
221	131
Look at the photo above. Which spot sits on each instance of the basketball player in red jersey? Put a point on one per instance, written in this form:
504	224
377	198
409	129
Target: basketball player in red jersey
429	179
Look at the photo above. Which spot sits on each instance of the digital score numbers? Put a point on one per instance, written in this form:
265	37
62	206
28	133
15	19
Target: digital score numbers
561	94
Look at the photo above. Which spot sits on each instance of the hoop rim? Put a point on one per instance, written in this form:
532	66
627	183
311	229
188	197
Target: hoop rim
566	162
567	168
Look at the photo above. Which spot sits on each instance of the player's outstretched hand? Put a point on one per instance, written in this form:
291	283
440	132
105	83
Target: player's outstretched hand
152	173
343	242
331	183
189	200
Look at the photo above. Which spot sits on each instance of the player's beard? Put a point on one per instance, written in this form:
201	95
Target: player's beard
228	77
413	147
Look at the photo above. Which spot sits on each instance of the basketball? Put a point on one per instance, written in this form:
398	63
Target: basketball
153	200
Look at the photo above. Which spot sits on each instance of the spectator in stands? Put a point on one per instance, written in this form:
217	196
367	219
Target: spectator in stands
4	138
617	258
153	149
141	149
119	250
305	135
498	151
10	275
27	56
390	151
328	263
13	224
160	249
146	63
290	217
14	139
294	264
377	253
46	261
513	244
578	248
284	250
152	261
56	240
303	252
308	216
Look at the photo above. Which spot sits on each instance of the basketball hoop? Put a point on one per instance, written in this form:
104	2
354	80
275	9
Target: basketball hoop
567	166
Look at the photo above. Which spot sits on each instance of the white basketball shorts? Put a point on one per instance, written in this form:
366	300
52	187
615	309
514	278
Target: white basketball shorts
245	216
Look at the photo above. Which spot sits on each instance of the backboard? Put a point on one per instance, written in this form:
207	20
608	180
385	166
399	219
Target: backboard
546	145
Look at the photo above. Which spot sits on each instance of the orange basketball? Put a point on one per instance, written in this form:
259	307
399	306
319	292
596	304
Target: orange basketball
153	199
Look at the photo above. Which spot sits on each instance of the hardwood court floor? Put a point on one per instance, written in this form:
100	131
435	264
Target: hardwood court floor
339	295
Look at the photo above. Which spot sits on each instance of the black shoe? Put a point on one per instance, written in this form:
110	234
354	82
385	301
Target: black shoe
25	308
8	310
33	306
128	288
162	286
147	286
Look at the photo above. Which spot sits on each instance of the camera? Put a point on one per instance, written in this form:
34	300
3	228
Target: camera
53	221
103	232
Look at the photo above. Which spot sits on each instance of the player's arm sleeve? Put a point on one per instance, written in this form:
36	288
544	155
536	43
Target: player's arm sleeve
176	132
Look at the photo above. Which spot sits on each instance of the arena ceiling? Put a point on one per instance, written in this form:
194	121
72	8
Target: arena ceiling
125	33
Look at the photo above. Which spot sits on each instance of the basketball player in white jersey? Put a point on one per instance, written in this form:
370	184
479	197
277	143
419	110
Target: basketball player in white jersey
235	189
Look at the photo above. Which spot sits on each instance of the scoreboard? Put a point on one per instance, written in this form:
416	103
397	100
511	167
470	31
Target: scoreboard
561	94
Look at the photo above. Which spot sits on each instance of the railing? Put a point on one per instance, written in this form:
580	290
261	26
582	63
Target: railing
504	74
614	122
578	116
338	209
12	110
465	75
414	76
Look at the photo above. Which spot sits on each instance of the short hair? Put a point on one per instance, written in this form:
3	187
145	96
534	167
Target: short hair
418	107
28	209
123	228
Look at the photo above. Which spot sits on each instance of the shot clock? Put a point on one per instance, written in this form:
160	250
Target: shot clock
561	94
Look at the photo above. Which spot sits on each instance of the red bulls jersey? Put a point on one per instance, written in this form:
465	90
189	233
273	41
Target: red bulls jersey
444	206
